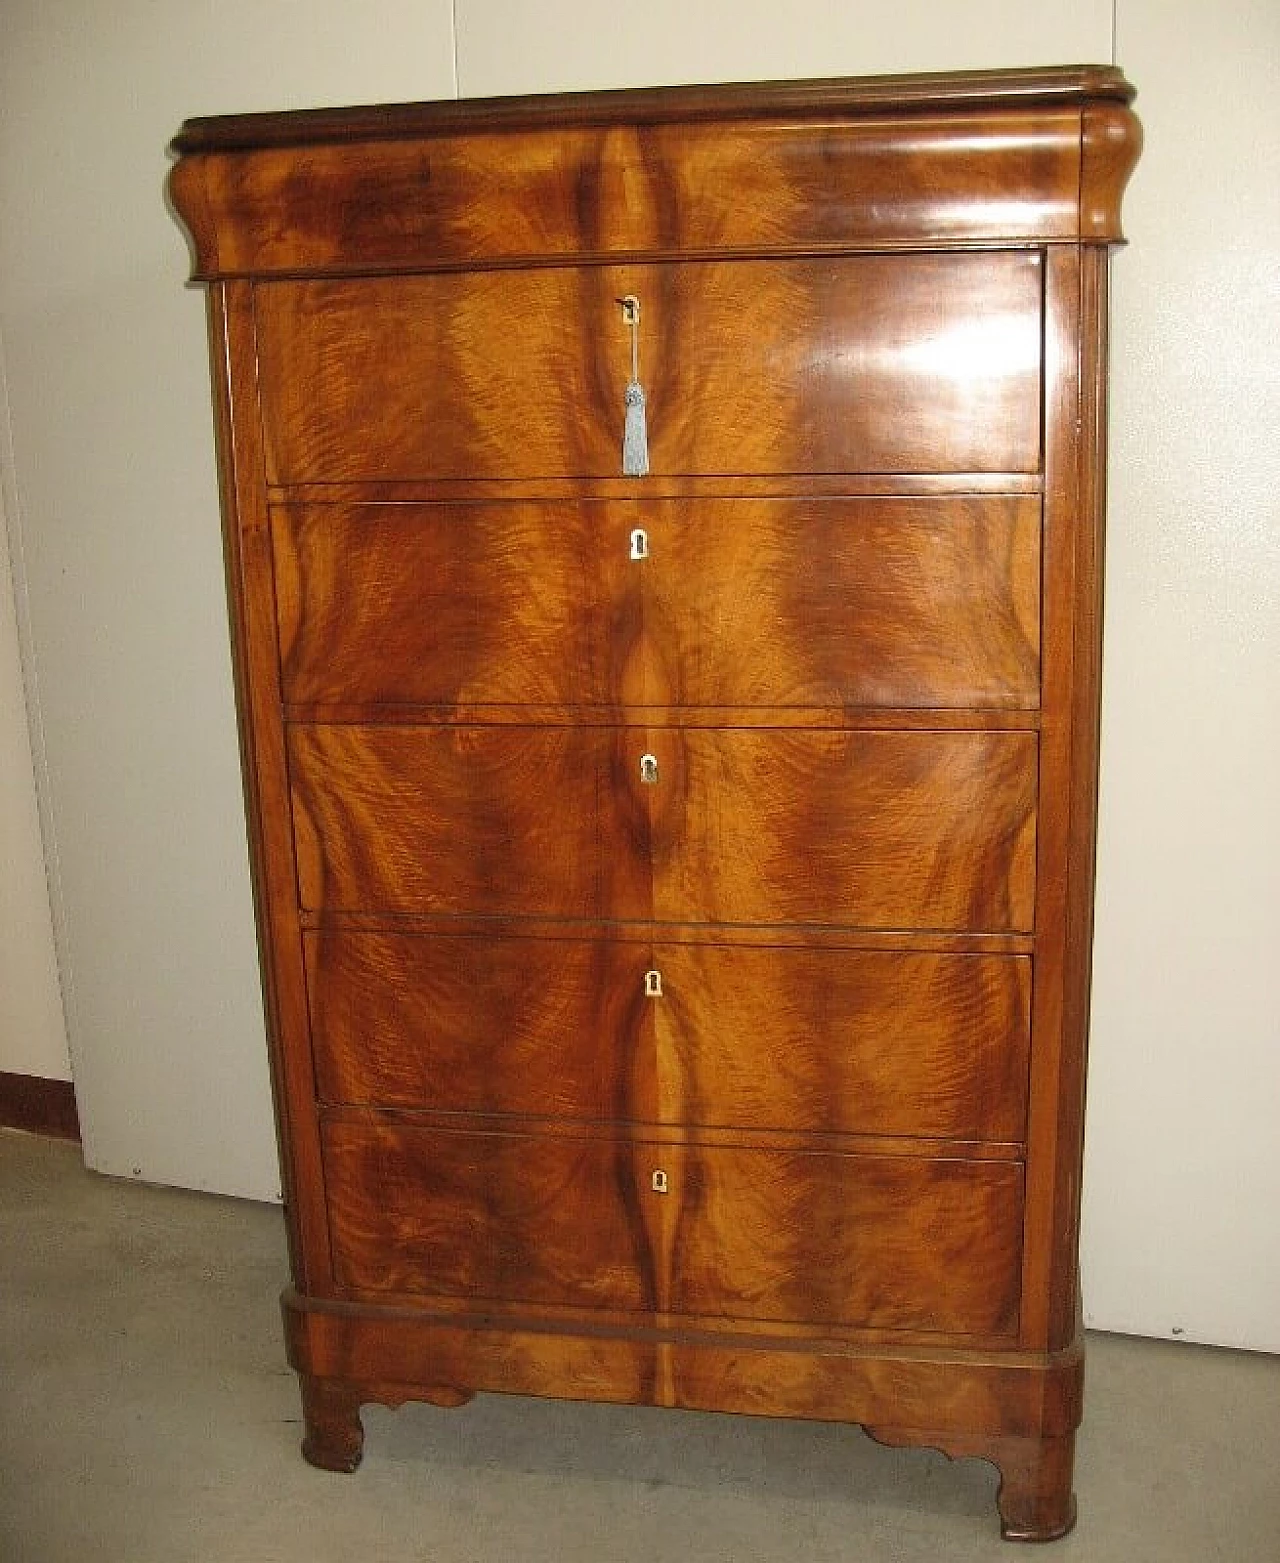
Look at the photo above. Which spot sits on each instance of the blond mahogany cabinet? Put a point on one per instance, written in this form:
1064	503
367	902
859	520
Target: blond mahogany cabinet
664	541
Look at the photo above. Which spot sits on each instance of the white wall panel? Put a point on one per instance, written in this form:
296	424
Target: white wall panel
33	1038
112	446
1182	1183
507	46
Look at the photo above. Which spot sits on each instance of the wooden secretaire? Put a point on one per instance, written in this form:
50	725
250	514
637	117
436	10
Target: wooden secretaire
664	532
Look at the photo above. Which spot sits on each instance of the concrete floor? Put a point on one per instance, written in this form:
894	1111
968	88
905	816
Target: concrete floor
146	1414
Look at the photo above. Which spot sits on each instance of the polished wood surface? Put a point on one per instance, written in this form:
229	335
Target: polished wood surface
1035	1499
840	1041
334	1438
843	1042
887	1241
843	603
515	821
930	603
486	1216
871	96
252	615
436	604
1015	1409
757	1086
917	363
995	156
891	1241
386	1352
897	829
677	189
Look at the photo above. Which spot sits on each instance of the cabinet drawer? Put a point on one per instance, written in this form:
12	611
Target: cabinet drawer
745	602
894	829
872	363
888	1242
823	1041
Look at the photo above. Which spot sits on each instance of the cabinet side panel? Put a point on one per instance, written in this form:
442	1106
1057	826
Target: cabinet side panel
251	602
1066	806
1078	960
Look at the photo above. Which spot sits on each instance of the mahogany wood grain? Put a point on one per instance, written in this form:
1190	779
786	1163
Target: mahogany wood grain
918	1147
856	1042
1062	1279
863	649
924	719
956	1388
334	1436
882	1241
843	603
914	829
889	1241
1023	1394
895	829
674	189
255	666
813	485
784	166
497	1216
514	820
478	1025
1035	1499
751	1333
917	363
930	603
840	1042
521	603
1110	144
1073	585
849	97
643	931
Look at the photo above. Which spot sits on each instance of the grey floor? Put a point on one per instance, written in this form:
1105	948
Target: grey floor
146	1414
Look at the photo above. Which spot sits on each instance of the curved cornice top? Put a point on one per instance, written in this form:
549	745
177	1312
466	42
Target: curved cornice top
846	97
885	162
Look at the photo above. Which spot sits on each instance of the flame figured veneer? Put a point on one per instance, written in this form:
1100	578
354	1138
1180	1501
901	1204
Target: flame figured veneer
674	892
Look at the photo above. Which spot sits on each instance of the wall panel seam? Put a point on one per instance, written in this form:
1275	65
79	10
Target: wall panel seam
15	542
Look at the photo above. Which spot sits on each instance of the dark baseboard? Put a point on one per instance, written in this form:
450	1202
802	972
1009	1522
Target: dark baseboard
39	1106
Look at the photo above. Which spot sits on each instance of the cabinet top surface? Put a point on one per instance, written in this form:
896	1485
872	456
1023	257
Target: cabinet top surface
866	96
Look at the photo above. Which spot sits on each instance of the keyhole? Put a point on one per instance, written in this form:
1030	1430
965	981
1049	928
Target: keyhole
653	984
630	309
639	543
649	769
659	1181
